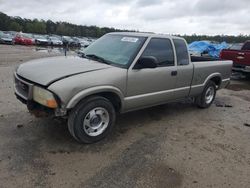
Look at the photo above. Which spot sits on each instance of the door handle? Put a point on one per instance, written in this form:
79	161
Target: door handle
240	57
240	53
173	73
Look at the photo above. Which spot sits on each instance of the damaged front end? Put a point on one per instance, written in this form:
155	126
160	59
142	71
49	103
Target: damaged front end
40	101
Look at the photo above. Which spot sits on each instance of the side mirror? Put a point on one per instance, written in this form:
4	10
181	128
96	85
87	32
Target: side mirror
146	62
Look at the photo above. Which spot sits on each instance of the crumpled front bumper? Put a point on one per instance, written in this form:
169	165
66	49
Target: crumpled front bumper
24	93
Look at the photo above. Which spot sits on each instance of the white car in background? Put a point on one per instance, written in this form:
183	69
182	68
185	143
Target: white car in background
41	40
55	41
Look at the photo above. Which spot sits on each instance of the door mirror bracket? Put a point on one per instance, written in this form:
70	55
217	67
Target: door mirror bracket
149	62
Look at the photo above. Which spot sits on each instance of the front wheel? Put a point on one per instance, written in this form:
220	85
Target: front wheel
247	76
208	95
92	120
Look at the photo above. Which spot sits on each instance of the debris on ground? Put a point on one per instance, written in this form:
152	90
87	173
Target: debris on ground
223	105
247	124
19	125
219	105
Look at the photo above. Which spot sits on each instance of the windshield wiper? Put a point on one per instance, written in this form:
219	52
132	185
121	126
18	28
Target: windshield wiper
97	58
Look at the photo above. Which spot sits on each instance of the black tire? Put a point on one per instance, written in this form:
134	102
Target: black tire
201	101
78	115
247	76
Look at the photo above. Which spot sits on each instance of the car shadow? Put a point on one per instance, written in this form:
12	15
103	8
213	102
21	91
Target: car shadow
58	138
239	82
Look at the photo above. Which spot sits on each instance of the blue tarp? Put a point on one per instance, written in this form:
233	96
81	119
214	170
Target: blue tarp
212	49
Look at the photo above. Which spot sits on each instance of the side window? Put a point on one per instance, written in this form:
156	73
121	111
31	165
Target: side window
181	52
162	50
246	46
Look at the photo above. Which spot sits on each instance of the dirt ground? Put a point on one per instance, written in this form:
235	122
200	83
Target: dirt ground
173	145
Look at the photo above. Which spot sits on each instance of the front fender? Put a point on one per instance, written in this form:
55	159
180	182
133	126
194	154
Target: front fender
94	90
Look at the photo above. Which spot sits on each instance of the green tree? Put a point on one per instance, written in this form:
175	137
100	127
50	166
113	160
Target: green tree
64	28
39	27
14	26
50	27
4	21
29	27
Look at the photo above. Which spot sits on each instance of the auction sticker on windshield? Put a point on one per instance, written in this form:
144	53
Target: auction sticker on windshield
129	39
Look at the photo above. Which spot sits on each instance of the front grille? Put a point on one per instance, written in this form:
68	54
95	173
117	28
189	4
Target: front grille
22	88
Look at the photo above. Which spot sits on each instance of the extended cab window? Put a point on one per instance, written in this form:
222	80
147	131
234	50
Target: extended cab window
246	46
181	52
162	50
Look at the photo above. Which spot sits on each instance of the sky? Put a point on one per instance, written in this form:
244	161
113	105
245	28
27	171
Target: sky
211	17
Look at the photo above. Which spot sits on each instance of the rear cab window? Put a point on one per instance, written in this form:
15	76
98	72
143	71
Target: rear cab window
181	52
162	50
246	46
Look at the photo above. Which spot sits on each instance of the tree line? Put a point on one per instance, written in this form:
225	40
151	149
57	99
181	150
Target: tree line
9	23
217	38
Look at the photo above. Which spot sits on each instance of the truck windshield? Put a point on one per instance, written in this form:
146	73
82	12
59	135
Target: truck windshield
119	50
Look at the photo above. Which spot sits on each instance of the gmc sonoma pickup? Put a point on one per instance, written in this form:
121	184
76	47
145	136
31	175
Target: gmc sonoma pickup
240	58
120	72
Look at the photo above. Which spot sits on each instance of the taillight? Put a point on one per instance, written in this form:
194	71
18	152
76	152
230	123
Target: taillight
220	55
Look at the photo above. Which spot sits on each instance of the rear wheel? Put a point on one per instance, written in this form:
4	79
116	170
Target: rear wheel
247	76
208	95
92	120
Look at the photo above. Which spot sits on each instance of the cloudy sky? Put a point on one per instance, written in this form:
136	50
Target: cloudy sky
160	16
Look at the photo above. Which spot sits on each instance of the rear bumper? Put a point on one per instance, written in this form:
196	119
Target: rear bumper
241	68
224	83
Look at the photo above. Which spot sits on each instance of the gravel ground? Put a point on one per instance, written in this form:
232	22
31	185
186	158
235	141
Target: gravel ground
173	145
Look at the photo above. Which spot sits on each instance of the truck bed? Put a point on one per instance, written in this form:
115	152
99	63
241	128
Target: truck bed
204	70
202	58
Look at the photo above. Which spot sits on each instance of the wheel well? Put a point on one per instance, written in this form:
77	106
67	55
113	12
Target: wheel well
216	80
112	97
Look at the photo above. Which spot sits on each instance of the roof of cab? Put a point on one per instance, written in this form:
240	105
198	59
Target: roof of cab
139	34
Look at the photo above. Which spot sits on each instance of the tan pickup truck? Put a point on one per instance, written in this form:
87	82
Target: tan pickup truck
120	72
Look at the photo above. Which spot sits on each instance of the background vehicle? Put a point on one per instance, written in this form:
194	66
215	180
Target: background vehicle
6	38
76	42
84	43
54	41
240	58
69	41
41	40
24	38
136	71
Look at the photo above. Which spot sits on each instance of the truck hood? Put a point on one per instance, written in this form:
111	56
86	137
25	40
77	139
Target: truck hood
48	70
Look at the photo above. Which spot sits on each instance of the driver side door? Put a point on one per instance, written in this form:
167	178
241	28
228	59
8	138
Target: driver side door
152	86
